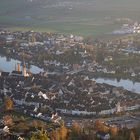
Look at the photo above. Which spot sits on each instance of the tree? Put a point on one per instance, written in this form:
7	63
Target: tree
132	136
136	131
33	136
75	126
56	134
21	127
100	55
40	135
75	130
43	136
104	128
7	120
38	124
63	131
114	130
98	124
8	103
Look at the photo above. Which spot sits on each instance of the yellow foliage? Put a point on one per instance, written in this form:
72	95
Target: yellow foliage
132	136
8	104
59	134
114	130
7	120
104	128
98	124
63	132
38	123
75	126
56	134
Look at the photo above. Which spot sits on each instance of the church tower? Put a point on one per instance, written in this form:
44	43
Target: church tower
32	39
18	68
118	107
24	70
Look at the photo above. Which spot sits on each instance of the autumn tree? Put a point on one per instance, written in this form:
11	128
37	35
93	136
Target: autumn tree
75	130
63	131
33	136
75	126
98	124
113	130
7	119
104	129
55	135
21	127
60	133
38	124
8	103
43	136
136	131
40	135
132	136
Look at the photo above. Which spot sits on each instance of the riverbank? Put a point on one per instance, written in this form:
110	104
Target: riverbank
126	83
46	53
7	64
117	76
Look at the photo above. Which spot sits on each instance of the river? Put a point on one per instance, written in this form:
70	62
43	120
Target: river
8	65
125	83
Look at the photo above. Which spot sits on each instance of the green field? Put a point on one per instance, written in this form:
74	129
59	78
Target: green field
90	17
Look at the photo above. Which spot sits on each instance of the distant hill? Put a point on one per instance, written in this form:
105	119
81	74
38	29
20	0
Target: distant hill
70	16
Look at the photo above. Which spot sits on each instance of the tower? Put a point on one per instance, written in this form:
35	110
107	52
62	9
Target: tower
24	70
18	68
118	107
32	39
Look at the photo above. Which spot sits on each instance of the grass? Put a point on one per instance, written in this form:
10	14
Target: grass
78	29
84	19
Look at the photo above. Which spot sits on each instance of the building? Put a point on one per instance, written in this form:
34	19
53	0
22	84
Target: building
118	107
19	72
32	39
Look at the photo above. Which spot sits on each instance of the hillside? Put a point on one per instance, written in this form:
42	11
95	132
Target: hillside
70	16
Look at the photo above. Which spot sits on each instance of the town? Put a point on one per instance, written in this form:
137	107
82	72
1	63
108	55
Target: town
58	53
67	85
128	29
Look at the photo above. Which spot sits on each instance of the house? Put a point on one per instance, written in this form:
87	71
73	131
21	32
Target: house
102	136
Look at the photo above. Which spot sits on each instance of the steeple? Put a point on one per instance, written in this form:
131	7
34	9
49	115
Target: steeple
18	68
24	70
32	39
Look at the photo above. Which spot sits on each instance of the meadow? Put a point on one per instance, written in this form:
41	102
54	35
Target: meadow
82	17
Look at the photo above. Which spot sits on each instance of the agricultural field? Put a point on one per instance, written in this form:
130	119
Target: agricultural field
84	17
